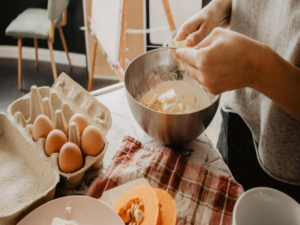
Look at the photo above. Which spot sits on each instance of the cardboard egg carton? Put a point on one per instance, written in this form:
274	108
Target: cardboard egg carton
18	149
27	178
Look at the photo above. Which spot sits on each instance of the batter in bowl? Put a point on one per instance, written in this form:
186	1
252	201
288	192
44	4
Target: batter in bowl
177	97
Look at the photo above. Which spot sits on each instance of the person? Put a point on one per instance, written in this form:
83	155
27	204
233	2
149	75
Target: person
255	64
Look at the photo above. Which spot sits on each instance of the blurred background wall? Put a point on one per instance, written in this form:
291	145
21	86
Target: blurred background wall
10	9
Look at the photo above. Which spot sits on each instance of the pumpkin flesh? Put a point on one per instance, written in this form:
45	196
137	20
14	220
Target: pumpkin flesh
147	196
168	207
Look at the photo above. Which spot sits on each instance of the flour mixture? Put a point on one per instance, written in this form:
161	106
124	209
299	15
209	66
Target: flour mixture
176	97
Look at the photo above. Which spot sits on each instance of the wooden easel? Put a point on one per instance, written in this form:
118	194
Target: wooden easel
169	15
119	69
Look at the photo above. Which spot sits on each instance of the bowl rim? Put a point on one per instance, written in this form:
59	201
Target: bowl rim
171	114
266	189
70	198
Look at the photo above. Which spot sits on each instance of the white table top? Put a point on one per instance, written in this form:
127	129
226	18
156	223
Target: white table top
200	151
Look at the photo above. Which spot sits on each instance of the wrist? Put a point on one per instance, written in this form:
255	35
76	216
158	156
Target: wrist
269	66
220	8
261	64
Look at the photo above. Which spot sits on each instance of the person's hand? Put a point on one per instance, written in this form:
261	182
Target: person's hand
223	61
215	14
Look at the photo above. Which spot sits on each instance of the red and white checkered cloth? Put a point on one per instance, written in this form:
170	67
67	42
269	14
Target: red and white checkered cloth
201	196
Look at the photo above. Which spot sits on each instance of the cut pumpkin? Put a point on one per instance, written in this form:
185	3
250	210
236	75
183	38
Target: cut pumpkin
168	207
139	205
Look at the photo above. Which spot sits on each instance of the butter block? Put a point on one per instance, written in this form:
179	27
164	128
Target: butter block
177	44
169	107
181	44
172	44
69	209
59	221
150	98
168	97
176	97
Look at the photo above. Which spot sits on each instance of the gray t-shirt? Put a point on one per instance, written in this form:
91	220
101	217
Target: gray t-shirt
276	133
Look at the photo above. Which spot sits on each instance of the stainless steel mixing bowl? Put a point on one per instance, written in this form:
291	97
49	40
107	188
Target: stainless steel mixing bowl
144	73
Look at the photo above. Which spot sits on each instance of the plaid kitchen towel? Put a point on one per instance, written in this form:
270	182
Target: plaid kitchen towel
201	196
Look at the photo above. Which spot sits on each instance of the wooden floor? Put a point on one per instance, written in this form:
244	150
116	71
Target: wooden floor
39	76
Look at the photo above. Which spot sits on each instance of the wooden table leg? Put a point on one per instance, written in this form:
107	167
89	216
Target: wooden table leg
52	60
20	64
92	67
63	41
36	51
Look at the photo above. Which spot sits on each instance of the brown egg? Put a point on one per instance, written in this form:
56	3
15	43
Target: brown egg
54	141
81	122
70	158
41	127
92	142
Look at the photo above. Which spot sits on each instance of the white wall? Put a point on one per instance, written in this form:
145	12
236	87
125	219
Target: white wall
181	11
28	53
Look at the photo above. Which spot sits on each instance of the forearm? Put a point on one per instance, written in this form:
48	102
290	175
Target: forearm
279	80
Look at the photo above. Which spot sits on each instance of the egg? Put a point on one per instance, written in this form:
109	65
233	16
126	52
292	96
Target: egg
92	142
54	141
42	126
81	122
70	158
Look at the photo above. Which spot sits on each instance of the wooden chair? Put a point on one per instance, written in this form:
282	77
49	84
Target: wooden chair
40	24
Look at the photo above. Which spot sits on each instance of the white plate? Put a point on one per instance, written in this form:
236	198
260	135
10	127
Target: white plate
85	211
266	206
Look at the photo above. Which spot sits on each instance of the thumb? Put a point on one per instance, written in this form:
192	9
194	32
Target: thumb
187	55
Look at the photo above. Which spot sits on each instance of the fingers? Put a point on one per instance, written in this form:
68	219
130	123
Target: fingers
193	39
199	77
171	53
181	34
207	41
191	55
211	38
196	37
193	72
187	55
189	27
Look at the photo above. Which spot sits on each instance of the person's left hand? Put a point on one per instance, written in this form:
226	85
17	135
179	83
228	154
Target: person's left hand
223	61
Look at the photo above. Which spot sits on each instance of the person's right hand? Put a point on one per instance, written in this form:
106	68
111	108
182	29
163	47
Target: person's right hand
215	14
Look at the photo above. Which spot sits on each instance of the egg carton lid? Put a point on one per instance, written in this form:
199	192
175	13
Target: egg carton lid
79	100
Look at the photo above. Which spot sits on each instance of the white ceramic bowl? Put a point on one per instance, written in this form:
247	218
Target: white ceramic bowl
85	210
266	206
